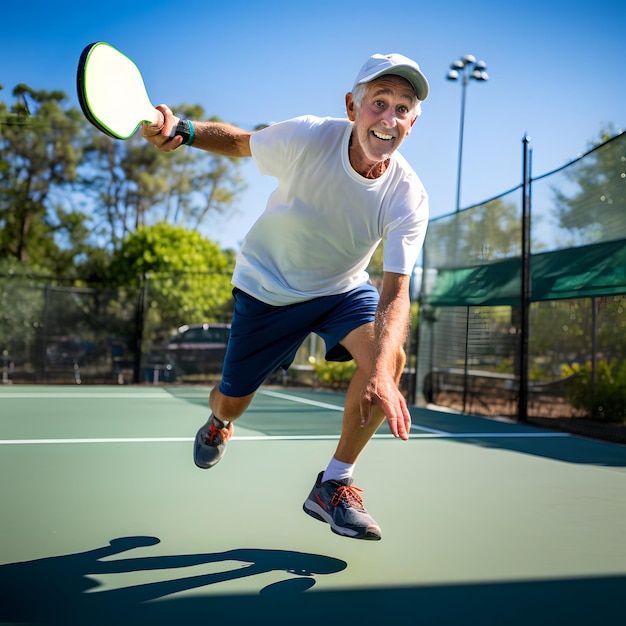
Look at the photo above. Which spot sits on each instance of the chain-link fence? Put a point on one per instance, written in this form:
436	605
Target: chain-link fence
59	332
494	343
55	331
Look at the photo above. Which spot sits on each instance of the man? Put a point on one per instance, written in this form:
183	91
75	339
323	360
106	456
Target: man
342	188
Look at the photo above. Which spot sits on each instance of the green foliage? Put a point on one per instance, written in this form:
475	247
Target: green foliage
482	234
76	203
21	304
67	191
595	210
375	267
332	373
39	154
166	248
564	330
172	259
131	184
604	399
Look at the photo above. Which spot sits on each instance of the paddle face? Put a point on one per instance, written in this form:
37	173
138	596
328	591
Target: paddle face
112	93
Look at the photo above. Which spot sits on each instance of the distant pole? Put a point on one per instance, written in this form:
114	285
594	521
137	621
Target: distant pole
460	156
522	412
465	68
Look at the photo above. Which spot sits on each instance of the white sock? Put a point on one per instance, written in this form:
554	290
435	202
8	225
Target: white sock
337	470
224	424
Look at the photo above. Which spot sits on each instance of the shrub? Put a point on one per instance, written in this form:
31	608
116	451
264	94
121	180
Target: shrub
603	400
332	373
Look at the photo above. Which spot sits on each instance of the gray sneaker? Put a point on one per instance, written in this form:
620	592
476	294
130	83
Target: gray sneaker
339	504
210	443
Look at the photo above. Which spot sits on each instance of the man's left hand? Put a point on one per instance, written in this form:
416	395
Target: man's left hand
386	395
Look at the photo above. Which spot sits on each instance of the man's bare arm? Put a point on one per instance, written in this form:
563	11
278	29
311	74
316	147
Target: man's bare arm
390	329
221	138
215	137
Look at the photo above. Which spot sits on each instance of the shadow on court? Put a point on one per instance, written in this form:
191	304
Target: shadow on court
56	591
566	449
59	589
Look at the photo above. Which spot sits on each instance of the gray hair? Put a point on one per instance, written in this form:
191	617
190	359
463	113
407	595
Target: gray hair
358	93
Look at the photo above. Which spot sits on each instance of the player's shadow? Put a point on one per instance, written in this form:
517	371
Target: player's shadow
59	589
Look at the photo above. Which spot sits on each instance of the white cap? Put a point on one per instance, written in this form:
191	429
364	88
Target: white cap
397	65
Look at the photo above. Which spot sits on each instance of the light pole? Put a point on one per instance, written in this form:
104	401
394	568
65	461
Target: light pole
465	68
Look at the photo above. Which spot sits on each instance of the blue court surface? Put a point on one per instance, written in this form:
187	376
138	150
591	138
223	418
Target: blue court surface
106	520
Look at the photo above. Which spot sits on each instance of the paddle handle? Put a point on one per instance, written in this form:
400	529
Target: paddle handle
182	128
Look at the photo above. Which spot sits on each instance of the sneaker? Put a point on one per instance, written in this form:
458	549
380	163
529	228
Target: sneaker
339	504
210	443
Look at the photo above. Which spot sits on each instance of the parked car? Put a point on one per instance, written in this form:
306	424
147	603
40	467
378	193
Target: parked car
197	348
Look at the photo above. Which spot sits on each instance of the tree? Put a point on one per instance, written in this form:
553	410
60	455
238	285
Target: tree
40	148
199	182
70	195
132	184
187	277
484	233
595	210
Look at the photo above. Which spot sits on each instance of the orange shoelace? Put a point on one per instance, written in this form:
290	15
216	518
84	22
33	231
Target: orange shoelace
214	431
350	495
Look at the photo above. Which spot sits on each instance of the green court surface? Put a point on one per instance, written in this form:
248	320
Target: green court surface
105	519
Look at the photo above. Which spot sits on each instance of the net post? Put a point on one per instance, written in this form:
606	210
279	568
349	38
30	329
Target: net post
522	409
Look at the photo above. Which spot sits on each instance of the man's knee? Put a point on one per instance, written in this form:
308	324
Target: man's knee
361	344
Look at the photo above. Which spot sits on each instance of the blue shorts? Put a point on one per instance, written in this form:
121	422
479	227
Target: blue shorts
264	338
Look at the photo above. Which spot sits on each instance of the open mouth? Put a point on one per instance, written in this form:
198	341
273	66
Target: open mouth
382	136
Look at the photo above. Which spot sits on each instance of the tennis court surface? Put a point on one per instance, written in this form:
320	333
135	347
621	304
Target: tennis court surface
105	519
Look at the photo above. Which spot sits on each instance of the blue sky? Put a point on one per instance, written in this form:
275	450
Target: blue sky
555	67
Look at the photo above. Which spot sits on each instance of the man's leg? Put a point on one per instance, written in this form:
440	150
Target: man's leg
227	408
333	499
354	437
211	439
262	338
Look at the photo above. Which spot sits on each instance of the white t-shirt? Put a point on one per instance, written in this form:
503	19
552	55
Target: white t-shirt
323	222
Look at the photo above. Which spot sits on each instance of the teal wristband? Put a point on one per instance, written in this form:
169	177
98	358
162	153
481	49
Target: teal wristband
185	129
192	134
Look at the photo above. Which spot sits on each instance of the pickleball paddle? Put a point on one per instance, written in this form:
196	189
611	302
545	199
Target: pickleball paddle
112	93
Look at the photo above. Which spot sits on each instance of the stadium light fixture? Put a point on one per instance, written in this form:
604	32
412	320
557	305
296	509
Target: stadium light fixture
465	69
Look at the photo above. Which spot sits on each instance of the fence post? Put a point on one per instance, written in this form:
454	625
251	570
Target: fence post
139	324
42	366
418	330
466	359
522	409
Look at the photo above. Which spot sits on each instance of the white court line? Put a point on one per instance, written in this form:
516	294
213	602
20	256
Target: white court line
335	407
429	433
432	432
285	396
7	442
64	395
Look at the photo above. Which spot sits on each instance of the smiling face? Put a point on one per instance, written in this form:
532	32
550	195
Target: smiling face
381	122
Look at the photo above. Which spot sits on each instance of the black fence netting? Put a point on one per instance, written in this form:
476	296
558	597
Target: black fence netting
170	328
63	333
552	346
